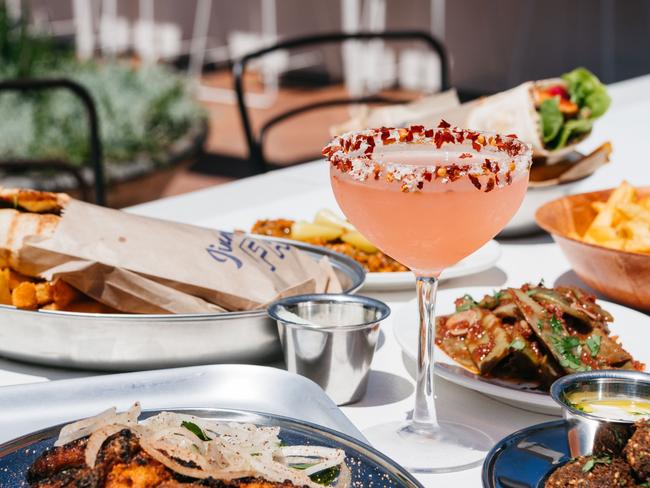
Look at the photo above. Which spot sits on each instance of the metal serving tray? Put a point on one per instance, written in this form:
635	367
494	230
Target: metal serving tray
27	408
368	467
129	342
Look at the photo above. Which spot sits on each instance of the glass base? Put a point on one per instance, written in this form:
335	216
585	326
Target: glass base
442	449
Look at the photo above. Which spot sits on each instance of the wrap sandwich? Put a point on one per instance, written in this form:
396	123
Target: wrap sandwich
553	115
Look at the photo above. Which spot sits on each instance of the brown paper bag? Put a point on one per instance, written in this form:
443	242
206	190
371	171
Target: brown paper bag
138	264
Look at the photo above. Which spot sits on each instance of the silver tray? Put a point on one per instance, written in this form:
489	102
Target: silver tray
368	467
27	408
128	342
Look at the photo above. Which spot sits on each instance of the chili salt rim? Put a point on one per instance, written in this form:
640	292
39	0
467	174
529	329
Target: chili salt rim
352	154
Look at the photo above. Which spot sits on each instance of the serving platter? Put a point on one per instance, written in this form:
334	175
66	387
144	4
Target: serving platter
629	325
368	467
127	342
525	458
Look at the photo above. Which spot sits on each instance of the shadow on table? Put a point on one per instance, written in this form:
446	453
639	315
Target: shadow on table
570	278
381	340
490	277
384	388
539	238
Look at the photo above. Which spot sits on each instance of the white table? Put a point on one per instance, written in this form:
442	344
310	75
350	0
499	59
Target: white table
300	191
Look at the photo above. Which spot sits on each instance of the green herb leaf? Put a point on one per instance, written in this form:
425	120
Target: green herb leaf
593	343
517	344
327	476
551	119
195	429
465	303
556	325
589	465
571	129
568	356
587	91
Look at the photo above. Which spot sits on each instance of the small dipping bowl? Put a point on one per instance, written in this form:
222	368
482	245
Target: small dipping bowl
594	434
330	339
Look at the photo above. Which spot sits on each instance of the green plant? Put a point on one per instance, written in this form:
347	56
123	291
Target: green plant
142	111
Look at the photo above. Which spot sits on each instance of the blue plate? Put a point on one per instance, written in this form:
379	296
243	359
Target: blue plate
368	466
525	459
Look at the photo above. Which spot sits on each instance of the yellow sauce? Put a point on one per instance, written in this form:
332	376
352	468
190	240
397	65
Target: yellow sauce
612	408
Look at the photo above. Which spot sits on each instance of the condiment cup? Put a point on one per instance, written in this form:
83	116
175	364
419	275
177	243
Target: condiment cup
330	339
591	434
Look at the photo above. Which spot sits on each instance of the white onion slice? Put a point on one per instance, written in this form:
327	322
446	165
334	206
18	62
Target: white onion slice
231	450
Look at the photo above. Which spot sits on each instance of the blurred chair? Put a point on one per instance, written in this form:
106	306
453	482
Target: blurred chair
256	140
94	142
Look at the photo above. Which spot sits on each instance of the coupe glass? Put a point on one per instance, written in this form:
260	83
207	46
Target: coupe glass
428	198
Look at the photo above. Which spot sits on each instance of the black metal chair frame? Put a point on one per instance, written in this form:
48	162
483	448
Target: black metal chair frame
256	142
95	144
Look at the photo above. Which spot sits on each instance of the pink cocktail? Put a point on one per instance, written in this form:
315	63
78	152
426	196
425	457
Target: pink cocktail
428	198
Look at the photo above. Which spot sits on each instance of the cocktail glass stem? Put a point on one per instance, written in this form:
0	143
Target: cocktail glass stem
424	414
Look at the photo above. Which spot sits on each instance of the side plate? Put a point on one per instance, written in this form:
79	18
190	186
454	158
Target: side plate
524	459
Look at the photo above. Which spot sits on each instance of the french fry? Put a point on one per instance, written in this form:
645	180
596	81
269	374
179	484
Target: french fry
64	294
89	305
637	245
5	291
44	293
622	222
605	218
24	296
16	279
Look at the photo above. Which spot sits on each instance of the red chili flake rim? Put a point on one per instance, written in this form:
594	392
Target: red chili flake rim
494	157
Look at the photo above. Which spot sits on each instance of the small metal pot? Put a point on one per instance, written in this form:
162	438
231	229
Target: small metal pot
590	434
330	339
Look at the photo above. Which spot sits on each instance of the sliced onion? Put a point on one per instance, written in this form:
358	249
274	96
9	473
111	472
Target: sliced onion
233	450
96	441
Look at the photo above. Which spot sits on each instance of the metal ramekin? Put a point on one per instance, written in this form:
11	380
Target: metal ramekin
338	351
587	433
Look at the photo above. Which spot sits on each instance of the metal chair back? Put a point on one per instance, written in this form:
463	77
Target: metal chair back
255	141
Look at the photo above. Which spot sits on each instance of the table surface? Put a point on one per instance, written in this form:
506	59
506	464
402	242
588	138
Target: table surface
298	192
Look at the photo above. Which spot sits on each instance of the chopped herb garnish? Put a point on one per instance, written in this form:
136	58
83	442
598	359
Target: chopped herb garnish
566	350
589	465
540	325
556	325
497	295
645	484
195	429
593	343
327	476
465	303
541	283
532	292
517	344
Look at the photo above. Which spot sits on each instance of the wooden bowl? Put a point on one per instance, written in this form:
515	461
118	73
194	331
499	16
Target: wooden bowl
620	275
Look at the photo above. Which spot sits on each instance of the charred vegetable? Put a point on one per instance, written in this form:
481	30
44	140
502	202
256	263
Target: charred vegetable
531	334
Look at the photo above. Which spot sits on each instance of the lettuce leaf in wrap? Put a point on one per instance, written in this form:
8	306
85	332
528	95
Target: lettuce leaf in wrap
589	94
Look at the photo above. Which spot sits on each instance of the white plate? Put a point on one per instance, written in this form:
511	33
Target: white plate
476	262
632	327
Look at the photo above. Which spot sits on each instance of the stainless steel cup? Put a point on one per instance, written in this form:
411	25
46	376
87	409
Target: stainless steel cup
589	434
330	339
